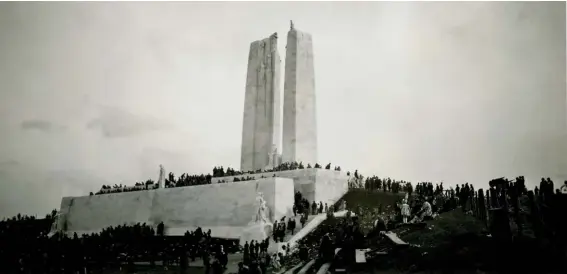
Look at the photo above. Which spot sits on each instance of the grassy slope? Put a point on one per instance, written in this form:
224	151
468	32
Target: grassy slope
454	242
370	199
369	202
443	229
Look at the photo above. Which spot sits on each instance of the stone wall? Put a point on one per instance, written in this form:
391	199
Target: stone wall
315	184
224	208
330	186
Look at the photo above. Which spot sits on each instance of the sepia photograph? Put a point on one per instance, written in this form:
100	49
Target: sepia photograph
283	137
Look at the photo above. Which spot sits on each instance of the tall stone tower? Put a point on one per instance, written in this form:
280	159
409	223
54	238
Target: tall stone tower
299	120
261	129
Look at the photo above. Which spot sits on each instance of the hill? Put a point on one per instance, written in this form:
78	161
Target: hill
370	199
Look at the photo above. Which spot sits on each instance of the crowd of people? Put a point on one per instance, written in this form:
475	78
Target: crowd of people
256	257
348	234
202	179
345	233
27	247
387	184
428	201
220	172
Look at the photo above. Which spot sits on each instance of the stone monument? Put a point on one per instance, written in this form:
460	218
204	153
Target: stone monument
161	179
261	226
261	147
261	124
261	127
299	109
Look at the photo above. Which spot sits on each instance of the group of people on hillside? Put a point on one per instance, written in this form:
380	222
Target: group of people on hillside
27	247
256	260
301	208
375	183
346	233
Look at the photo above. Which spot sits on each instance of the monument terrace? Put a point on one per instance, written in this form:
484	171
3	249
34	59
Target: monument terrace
270	176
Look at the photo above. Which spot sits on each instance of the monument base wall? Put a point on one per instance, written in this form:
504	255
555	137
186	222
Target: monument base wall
225	209
315	184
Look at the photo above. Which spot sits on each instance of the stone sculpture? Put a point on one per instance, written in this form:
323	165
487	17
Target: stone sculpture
343	205
261	226
262	211
161	179
58	224
354	182
273	158
55	224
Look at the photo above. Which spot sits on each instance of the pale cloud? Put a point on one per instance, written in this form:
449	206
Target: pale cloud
118	123
28	189
42	125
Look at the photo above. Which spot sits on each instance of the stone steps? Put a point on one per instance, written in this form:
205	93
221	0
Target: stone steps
288	234
307	267
310	226
294	269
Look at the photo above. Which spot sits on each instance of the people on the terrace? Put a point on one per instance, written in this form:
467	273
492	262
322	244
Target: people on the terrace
191	180
219	171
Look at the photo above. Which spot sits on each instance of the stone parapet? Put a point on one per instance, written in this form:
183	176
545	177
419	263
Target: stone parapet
315	184
226	209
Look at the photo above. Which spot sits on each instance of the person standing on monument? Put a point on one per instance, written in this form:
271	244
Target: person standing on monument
282	231
314	208
303	219
291	225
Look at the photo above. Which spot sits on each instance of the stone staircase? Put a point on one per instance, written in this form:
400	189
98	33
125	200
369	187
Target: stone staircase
312	223
288	234
309	267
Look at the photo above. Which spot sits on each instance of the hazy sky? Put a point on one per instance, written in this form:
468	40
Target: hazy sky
95	93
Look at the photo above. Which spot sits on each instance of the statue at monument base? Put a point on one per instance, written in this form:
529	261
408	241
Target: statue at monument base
161	179
260	227
274	159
